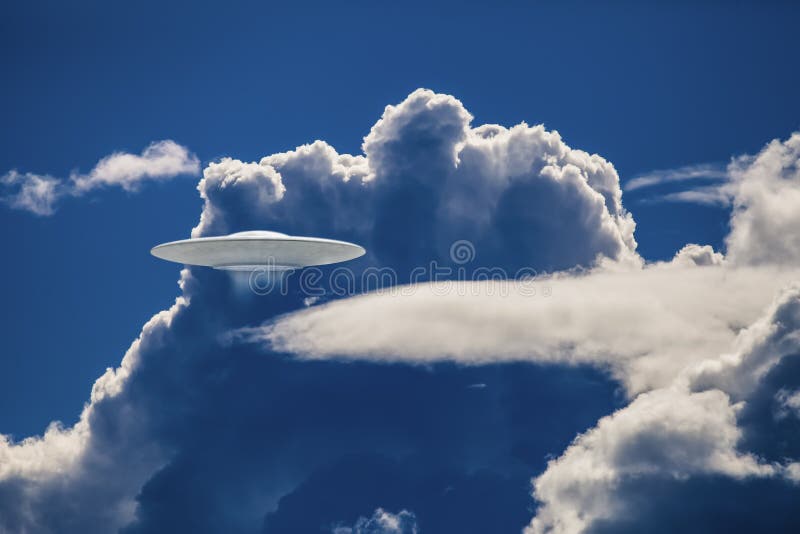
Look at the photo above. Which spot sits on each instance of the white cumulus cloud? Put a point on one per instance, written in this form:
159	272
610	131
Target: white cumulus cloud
766	218
692	340
40	194
666	432
684	429
161	160
381	522
789	403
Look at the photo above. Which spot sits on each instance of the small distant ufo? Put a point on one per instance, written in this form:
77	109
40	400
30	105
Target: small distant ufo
248	251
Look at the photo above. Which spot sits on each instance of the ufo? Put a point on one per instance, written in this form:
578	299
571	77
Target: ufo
259	249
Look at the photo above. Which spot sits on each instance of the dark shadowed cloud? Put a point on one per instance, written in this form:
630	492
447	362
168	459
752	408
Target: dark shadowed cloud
198	431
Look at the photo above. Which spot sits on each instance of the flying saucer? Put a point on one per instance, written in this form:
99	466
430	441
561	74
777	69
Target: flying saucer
247	251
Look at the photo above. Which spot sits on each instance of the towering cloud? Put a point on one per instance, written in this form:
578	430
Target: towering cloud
427	179
765	221
672	333
192	432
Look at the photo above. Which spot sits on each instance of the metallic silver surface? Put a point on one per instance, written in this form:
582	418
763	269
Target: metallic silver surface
245	251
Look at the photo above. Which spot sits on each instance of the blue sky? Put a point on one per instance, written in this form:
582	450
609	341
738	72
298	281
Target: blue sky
647	86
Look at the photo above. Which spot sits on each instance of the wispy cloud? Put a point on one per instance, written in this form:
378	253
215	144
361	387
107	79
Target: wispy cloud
697	191
35	193
161	160
707	171
40	194
709	195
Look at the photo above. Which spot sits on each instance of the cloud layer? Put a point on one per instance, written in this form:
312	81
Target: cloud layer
645	325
